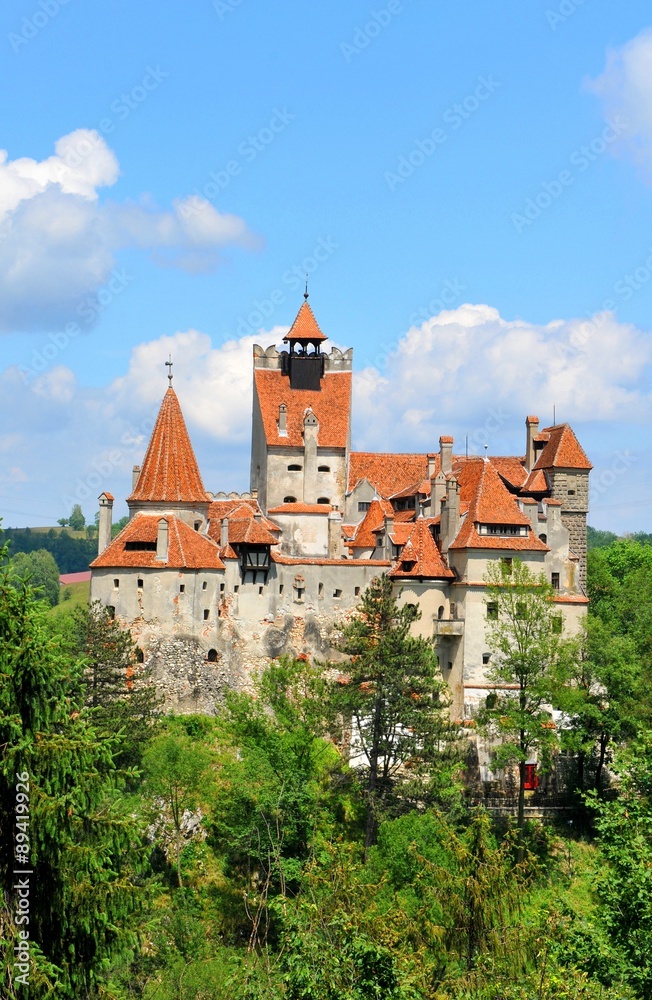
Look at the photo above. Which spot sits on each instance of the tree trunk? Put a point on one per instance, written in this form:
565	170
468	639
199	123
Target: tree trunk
581	759
520	816
604	739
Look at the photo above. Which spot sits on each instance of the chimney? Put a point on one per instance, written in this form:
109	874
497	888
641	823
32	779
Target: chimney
446	454
283	420
437	493
106	517
387	542
450	513
224	532
531	431
432	464
162	541
135	476
334	534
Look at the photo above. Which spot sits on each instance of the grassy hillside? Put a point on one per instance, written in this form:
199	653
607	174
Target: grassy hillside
71	596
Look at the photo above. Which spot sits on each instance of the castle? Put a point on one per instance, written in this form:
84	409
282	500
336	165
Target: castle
213	585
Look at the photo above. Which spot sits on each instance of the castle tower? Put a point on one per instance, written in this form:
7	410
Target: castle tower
169	481
567	469
301	419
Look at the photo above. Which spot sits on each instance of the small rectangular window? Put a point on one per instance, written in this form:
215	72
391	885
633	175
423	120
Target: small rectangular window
222	588
485	658
555	581
236	589
140	583
321	590
357	592
492	611
116	584
280	588
206	614
363	506
204	585
260	590
182	588
571	493
337	593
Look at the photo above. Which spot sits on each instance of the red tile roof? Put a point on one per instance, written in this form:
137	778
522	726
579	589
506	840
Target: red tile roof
373	520
170	472
421	550
510	468
387	473
249	532
570	599
490	502
187	549
563	450
305	327
331	405
536	482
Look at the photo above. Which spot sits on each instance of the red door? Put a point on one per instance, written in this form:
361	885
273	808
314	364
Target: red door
531	777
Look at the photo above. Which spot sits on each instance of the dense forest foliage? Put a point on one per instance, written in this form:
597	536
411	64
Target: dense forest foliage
317	839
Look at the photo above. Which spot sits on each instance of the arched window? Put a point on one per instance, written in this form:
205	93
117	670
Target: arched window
289	499
212	656
440	613
140	656
323	500
323	468
543	538
294	468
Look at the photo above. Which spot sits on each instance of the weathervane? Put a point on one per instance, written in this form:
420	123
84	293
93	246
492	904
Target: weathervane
168	364
305	294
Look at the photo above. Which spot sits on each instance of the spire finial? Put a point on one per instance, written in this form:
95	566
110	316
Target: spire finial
305	294
168	365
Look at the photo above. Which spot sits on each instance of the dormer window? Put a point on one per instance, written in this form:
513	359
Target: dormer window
504	530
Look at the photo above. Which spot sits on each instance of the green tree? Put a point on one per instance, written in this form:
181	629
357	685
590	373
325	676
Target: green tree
597	692
118	688
77	521
624	881
82	844
394	697
175	771
40	571
523	631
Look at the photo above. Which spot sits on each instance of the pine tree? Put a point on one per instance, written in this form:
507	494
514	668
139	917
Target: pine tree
118	688
396	699
82	846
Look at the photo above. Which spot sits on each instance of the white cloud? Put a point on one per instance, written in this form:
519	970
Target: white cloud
464	371
58	243
625	86
449	374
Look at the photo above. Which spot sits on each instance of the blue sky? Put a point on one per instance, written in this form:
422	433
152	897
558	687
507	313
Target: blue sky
170	171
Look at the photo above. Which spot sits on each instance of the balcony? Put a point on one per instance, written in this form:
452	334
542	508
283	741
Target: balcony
448	627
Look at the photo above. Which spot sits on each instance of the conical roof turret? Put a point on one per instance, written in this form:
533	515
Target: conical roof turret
170	473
